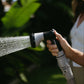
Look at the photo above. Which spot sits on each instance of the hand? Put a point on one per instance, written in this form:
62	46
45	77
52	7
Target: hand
64	44
52	48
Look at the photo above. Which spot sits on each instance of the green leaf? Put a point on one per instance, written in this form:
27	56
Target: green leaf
18	16
23	2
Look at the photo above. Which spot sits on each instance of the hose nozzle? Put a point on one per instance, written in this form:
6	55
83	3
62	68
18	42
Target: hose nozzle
36	38
62	61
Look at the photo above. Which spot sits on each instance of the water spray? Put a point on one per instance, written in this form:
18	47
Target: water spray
13	44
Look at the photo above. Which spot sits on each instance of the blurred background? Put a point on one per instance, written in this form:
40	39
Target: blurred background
21	18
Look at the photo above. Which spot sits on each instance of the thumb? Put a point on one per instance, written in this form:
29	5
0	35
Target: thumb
58	36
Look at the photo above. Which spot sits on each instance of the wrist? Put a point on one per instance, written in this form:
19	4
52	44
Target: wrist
68	51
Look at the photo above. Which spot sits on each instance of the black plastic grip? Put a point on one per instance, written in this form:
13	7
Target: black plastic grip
53	41
50	35
57	43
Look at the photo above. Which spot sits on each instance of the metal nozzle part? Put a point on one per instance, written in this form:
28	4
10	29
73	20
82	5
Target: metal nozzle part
36	38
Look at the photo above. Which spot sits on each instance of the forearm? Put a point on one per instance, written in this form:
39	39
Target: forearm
75	55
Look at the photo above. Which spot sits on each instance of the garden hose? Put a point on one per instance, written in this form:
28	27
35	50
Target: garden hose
61	59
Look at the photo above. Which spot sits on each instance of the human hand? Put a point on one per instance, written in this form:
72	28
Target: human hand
52	48
64	44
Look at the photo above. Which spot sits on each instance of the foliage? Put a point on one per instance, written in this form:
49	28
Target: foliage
47	75
52	14
19	15
22	19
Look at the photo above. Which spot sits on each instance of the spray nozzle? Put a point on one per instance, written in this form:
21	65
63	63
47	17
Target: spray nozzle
36	38
62	61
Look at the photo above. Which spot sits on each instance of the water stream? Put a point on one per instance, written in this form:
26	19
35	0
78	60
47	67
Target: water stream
12	44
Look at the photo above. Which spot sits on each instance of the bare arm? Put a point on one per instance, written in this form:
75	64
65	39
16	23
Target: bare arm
76	56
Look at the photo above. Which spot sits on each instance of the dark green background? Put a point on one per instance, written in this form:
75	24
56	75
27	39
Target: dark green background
48	14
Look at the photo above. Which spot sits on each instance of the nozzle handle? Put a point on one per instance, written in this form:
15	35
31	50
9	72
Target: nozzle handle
50	35
57	43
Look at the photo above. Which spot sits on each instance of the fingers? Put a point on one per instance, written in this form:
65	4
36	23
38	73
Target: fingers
52	48
54	54
48	42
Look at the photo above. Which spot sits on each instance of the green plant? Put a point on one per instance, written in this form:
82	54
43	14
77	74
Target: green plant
18	15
